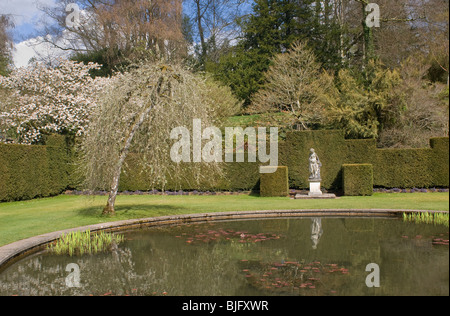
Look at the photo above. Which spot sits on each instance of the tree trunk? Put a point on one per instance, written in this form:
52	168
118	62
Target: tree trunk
201	33
368	44
110	206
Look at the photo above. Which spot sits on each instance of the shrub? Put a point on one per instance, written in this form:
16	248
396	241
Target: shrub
403	168
275	184
357	179
440	161
27	172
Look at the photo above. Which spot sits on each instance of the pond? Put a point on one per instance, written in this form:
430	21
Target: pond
289	257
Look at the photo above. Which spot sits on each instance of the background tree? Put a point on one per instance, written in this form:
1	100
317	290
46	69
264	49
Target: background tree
5	44
44	100
271	29
214	26
296	83
433	33
425	113
121	30
365	103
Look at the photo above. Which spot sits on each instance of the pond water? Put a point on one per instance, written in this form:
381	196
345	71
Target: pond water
302	256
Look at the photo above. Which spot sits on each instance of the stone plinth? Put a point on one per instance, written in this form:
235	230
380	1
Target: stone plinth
314	188
315	192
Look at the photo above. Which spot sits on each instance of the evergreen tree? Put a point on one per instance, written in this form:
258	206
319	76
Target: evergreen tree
271	30
5	44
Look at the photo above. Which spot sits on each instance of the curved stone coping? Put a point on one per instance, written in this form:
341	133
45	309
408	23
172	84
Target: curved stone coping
17	250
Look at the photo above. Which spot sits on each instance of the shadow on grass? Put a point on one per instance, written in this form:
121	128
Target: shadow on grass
132	211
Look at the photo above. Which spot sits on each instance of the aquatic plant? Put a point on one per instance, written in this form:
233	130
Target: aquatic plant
427	218
200	237
79	243
293	276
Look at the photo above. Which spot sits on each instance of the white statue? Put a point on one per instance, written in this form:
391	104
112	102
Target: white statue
314	165
316	231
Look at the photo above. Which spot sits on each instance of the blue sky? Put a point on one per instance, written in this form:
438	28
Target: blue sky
26	16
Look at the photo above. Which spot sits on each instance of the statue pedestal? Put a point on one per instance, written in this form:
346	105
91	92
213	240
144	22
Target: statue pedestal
315	192
314	188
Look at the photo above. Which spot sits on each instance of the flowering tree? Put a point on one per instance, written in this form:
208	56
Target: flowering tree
45	100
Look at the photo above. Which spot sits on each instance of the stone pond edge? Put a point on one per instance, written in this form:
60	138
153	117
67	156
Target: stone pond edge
15	251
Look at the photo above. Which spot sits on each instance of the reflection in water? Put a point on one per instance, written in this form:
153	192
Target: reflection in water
250	258
316	231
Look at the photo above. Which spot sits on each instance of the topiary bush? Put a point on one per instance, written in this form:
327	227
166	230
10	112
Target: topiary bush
357	179
275	184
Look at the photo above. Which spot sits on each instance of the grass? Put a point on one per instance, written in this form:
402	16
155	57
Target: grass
427	218
20	220
79	243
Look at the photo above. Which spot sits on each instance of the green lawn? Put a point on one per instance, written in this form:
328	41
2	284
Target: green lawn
19	220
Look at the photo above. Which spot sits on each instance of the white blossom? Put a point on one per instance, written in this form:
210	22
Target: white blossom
50	100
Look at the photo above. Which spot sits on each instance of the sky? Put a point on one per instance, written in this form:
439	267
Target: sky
25	14
26	17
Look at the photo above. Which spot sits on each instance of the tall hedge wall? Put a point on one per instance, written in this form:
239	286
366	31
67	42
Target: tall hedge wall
330	147
401	168
236	176
440	162
28	172
32	171
24	172
357	179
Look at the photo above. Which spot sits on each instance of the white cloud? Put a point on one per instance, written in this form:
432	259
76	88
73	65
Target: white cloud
23	52
23	11
42	51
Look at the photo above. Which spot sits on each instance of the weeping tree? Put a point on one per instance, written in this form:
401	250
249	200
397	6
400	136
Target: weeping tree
137	114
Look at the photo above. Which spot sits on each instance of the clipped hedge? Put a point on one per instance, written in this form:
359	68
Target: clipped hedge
236	176
392	168
401	168
24	172
357	179
439	168
330	147
27	172
275	184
